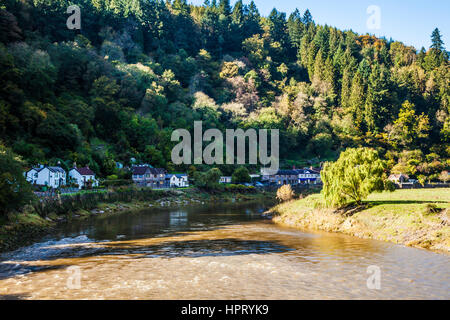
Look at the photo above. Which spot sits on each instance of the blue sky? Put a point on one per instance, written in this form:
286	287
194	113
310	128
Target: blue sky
408	21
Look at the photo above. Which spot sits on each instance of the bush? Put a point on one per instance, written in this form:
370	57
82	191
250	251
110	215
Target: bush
15	191
117	183
356	174
239	188
241	175
285	193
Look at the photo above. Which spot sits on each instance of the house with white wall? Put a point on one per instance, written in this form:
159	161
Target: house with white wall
83	177
32	175
225	180
53	177
145	175
308	176
177	180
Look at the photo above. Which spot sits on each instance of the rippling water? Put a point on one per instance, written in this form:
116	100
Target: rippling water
214	252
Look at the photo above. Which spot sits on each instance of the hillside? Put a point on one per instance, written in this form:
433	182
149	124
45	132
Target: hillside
137	70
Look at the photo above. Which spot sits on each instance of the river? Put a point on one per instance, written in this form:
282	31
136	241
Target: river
215	252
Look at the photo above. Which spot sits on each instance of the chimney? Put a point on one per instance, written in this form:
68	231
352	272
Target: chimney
74	165
293	168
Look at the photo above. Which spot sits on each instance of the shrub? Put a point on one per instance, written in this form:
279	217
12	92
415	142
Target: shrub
285	193
241	175
356	174
15	191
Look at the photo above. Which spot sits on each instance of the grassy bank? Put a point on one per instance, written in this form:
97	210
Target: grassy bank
19	229
418	218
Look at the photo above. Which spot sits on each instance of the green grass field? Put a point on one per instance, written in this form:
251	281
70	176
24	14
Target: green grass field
417	217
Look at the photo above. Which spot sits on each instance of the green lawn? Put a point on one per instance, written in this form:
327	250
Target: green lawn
417	217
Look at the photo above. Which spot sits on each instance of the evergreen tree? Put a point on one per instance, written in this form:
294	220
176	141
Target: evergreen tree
307	18
436	40
225	7
356	101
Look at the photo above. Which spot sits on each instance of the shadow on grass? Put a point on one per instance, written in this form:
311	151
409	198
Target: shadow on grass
372	203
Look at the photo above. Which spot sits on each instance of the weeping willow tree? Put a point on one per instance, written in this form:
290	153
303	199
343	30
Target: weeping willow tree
356	174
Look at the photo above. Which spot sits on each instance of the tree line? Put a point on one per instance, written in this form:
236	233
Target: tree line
138	69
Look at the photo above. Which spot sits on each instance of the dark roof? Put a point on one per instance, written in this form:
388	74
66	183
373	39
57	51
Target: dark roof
178	175
141	170
303	171
85	171
286	173
157	171
36	168
56	169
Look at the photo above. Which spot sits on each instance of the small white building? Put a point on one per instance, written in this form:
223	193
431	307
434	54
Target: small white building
177	180
83	177
399	178
225	180
53	177
32	175
308	176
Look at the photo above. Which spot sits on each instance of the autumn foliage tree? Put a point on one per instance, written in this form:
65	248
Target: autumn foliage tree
285	193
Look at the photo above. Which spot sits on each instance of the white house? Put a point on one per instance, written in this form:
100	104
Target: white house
399	178
225	180
53	177
32	175
308	176
177	180
83	176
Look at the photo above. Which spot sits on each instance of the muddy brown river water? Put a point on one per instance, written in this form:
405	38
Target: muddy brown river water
214	252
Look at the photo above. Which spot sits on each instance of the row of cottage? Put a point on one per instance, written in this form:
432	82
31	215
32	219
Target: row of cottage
292	177
55	177
145	175
283	177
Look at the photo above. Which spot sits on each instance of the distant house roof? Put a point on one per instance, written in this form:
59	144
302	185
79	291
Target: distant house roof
141	170
286	173
307	171
398	176
85	171
178	175
36	168
158	171
56	169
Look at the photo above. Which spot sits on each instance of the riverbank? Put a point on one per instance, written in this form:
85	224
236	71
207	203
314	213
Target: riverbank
416	218
20	229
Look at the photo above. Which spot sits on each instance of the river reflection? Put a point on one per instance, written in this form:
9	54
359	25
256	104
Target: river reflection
215	252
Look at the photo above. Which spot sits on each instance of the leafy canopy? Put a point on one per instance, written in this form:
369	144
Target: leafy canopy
241	175
356	174
15	191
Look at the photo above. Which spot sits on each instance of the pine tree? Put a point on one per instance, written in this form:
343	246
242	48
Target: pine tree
356	101
237	16
379	102
307	18
436	40
225	7
346	89
295	28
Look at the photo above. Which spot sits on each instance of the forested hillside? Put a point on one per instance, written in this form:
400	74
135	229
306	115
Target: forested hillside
138	69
